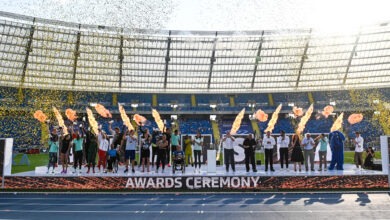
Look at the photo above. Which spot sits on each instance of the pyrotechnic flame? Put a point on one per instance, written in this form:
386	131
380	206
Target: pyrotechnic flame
92	121
60	120
102	111
237	122
158	120
261	116
355	118
125	118
327	111
338	123
139	119
274	119
298	112
71	114
40	116
304	120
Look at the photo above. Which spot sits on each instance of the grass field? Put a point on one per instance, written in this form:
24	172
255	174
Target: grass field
42	159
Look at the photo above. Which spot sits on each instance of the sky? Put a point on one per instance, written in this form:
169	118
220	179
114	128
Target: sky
215	15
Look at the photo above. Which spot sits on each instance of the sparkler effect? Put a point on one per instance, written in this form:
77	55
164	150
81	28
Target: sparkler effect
71	114
237	122
355	118
105	113
40	116
304	120
139	119
125	118
337	125
261	115
60	120
274	119
92	121
327	111
158	120
298	112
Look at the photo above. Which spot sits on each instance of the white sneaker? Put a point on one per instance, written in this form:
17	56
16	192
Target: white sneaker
199	170
195	170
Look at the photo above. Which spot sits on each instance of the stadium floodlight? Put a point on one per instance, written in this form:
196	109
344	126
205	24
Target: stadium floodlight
92	104
134	105
377	113
375	101
213	117
252	105
251	117
173	117
174	106
332	103
213	106
291	104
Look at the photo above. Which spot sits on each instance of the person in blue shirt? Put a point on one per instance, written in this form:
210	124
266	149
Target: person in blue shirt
178	155
53	150
322	151
112	157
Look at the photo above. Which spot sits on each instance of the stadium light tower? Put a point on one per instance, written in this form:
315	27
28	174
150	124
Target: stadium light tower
213	117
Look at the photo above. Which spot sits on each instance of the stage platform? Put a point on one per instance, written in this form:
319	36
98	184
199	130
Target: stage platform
349	169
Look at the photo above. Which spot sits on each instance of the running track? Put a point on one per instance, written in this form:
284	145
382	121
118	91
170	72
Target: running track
315	206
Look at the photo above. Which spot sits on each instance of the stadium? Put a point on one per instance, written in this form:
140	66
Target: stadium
198	82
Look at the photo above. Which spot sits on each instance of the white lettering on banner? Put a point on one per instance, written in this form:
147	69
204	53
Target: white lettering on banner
168	183
151	183
214	182
188	183
235	182
245	182
255	180
197	182
130	183
178	183
140	182
192	182
206	182
160	182
224	182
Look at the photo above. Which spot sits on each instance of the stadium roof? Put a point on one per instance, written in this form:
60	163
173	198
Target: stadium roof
41	53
